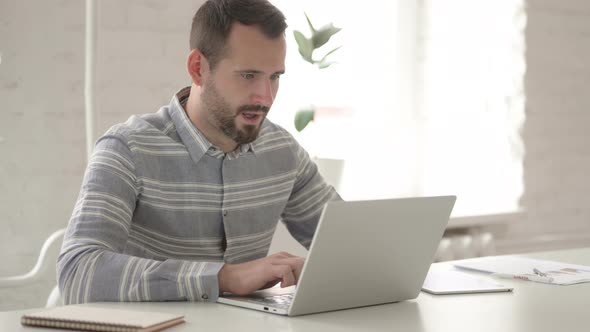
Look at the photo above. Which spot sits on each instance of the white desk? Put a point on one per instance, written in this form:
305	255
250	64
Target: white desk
531	307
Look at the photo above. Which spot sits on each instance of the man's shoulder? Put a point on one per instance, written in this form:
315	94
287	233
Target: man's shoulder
152	125
273	131
273	136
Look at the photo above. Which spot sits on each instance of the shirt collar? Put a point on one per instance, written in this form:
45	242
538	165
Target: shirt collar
194	140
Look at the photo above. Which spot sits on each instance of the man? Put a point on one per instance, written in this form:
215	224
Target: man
182	204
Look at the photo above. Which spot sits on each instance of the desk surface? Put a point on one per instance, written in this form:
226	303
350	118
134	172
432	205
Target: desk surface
531	307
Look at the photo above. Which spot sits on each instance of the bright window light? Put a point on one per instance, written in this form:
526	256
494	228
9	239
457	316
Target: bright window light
426	98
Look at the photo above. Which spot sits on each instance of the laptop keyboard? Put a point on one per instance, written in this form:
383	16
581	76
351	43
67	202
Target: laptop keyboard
281	301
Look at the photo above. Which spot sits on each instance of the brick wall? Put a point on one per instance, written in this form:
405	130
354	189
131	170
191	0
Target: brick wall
142	49
41	88
556	133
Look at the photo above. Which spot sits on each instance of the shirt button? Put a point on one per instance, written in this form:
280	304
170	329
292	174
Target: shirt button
205	296
225	213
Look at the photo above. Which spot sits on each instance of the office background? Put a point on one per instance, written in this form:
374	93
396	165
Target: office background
42	138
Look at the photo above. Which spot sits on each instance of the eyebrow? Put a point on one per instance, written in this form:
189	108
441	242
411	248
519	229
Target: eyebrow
280	72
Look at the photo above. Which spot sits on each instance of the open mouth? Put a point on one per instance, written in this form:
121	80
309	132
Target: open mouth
251	117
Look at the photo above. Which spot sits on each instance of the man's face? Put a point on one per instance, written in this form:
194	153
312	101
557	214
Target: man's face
240	90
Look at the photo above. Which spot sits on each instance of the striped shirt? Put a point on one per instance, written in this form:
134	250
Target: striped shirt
161	209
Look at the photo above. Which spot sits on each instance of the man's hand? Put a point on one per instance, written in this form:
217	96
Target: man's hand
245	278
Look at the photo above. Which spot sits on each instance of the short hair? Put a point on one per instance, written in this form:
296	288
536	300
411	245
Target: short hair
213	21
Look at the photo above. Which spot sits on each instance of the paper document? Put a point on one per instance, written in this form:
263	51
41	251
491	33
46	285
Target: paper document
549	272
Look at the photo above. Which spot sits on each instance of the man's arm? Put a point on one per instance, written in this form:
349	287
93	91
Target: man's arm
91	266
310	194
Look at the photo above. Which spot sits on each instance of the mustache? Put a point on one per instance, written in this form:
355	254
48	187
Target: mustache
256	108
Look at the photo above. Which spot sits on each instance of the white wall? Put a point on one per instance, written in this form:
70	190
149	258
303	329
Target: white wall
142	47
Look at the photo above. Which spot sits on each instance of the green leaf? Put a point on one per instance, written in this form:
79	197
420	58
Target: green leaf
303	118
332	51
322	64
326	56
305	46
309	22
323	35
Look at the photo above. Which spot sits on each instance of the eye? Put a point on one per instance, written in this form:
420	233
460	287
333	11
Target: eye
247	76
275	77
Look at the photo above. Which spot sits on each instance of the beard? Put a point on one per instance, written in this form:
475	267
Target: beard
223	117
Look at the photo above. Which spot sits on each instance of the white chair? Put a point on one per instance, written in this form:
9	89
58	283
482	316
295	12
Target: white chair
45	264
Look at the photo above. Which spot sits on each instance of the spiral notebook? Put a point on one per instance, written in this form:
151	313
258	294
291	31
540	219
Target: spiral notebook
84	318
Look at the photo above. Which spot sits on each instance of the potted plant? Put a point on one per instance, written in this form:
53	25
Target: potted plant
331	169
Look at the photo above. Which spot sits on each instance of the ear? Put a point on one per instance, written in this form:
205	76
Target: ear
196	64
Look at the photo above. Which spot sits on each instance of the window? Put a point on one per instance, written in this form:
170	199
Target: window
426	98
473	103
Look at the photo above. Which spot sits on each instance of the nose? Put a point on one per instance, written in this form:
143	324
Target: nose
264	94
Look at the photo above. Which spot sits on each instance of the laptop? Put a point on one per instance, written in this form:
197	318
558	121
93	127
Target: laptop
363	253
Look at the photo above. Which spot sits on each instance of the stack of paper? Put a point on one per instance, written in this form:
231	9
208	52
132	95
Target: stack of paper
550	272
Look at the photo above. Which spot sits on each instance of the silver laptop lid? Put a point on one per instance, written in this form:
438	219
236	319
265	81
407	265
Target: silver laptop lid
371	252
